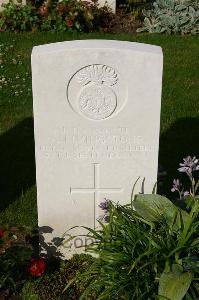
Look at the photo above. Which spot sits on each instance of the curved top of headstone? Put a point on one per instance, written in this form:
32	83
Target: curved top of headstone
92	44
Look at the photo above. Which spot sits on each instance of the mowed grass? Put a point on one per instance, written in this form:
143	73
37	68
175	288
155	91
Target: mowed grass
179	116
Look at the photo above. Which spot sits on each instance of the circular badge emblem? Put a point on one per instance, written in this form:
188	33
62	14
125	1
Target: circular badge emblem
97	101
93	92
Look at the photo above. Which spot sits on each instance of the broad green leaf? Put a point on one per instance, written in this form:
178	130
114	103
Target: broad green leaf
156	208
174	285
151	207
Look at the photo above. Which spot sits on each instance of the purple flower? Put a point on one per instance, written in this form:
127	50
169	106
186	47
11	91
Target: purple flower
189	165
104	205
176	185
186	194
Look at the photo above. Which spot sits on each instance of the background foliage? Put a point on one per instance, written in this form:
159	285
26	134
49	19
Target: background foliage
169	16
66	15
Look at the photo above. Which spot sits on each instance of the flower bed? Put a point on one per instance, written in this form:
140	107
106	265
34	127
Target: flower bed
70	16
24	273
146	249
165	16
55	16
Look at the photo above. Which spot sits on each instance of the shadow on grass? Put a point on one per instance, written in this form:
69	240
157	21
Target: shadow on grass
17	162
181	140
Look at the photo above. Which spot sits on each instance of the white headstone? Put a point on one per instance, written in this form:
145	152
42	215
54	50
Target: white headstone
3	2
101	3
96	117
110	3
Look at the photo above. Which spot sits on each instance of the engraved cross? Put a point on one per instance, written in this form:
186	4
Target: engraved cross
96	189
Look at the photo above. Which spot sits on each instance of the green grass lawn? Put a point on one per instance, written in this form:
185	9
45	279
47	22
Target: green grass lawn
179	115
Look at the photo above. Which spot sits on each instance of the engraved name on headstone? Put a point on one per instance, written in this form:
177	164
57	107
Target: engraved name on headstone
96	120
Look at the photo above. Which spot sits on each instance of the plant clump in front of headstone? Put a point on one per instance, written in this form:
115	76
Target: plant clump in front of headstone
148	248
172	16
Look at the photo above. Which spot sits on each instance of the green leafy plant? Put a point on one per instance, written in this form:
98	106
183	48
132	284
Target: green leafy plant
174	284
15	253
149	249
169	16
66	15
18	17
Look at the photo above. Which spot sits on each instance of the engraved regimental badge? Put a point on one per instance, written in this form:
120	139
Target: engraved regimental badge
96	99
93	91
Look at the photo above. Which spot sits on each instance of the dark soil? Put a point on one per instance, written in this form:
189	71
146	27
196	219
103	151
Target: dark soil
123	22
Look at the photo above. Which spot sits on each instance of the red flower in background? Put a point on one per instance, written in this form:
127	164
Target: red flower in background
69	23
37	267
1	233
43	10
